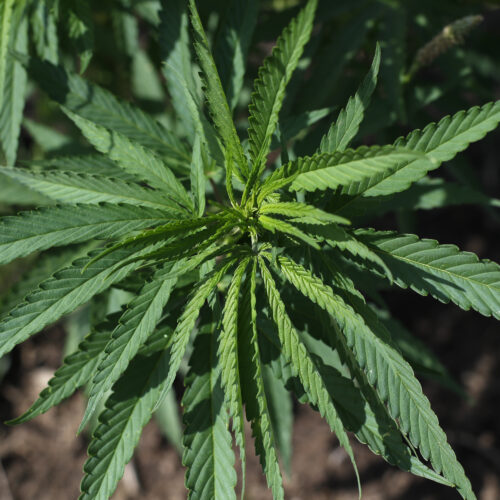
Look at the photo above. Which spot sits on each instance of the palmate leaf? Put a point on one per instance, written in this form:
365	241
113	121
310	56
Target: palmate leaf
442	271
215	97
93	103
269	88
232	46
77	369
297	354
437	142
385	367
74	188
134	327
61	294
133	158
346	128
12	77
229	361
126	412
208	454
253	387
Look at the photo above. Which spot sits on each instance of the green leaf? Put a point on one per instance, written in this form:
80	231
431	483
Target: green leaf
80	30
126	412
331	170
93	103
346	128
72	188
442	271
214	94
385	367
269	88
197	178
436	142
12	78
271	224
134	327
208	454
168	419
6	14
298	211
253	389
177	66
229	361
61	294
77	369
44	26
296	353
232	46
28	232
133	158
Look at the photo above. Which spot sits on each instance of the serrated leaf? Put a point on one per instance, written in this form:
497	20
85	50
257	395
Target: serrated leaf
197	178
296	353
214	94
442	271
229	361
346	128
12	77
134	327
77	369
253	389
133	158
28	232
44	27
385	367
271	224
298	211
269	88
61	294
72	188
208	454
126	412
232	46
437	142
93	103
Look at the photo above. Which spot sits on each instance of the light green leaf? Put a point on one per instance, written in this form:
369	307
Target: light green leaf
133	158
29	232
442	271
12	77
269	88
44	26
271	224
126	412
298	211
72	188
296	353
385	367
93	103
208	454
61	294
436	142
215	97
346	128
168	419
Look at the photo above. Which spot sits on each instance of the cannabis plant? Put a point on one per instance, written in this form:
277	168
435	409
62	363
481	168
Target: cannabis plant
252	268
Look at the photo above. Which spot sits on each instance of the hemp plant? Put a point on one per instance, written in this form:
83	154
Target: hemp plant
254	271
